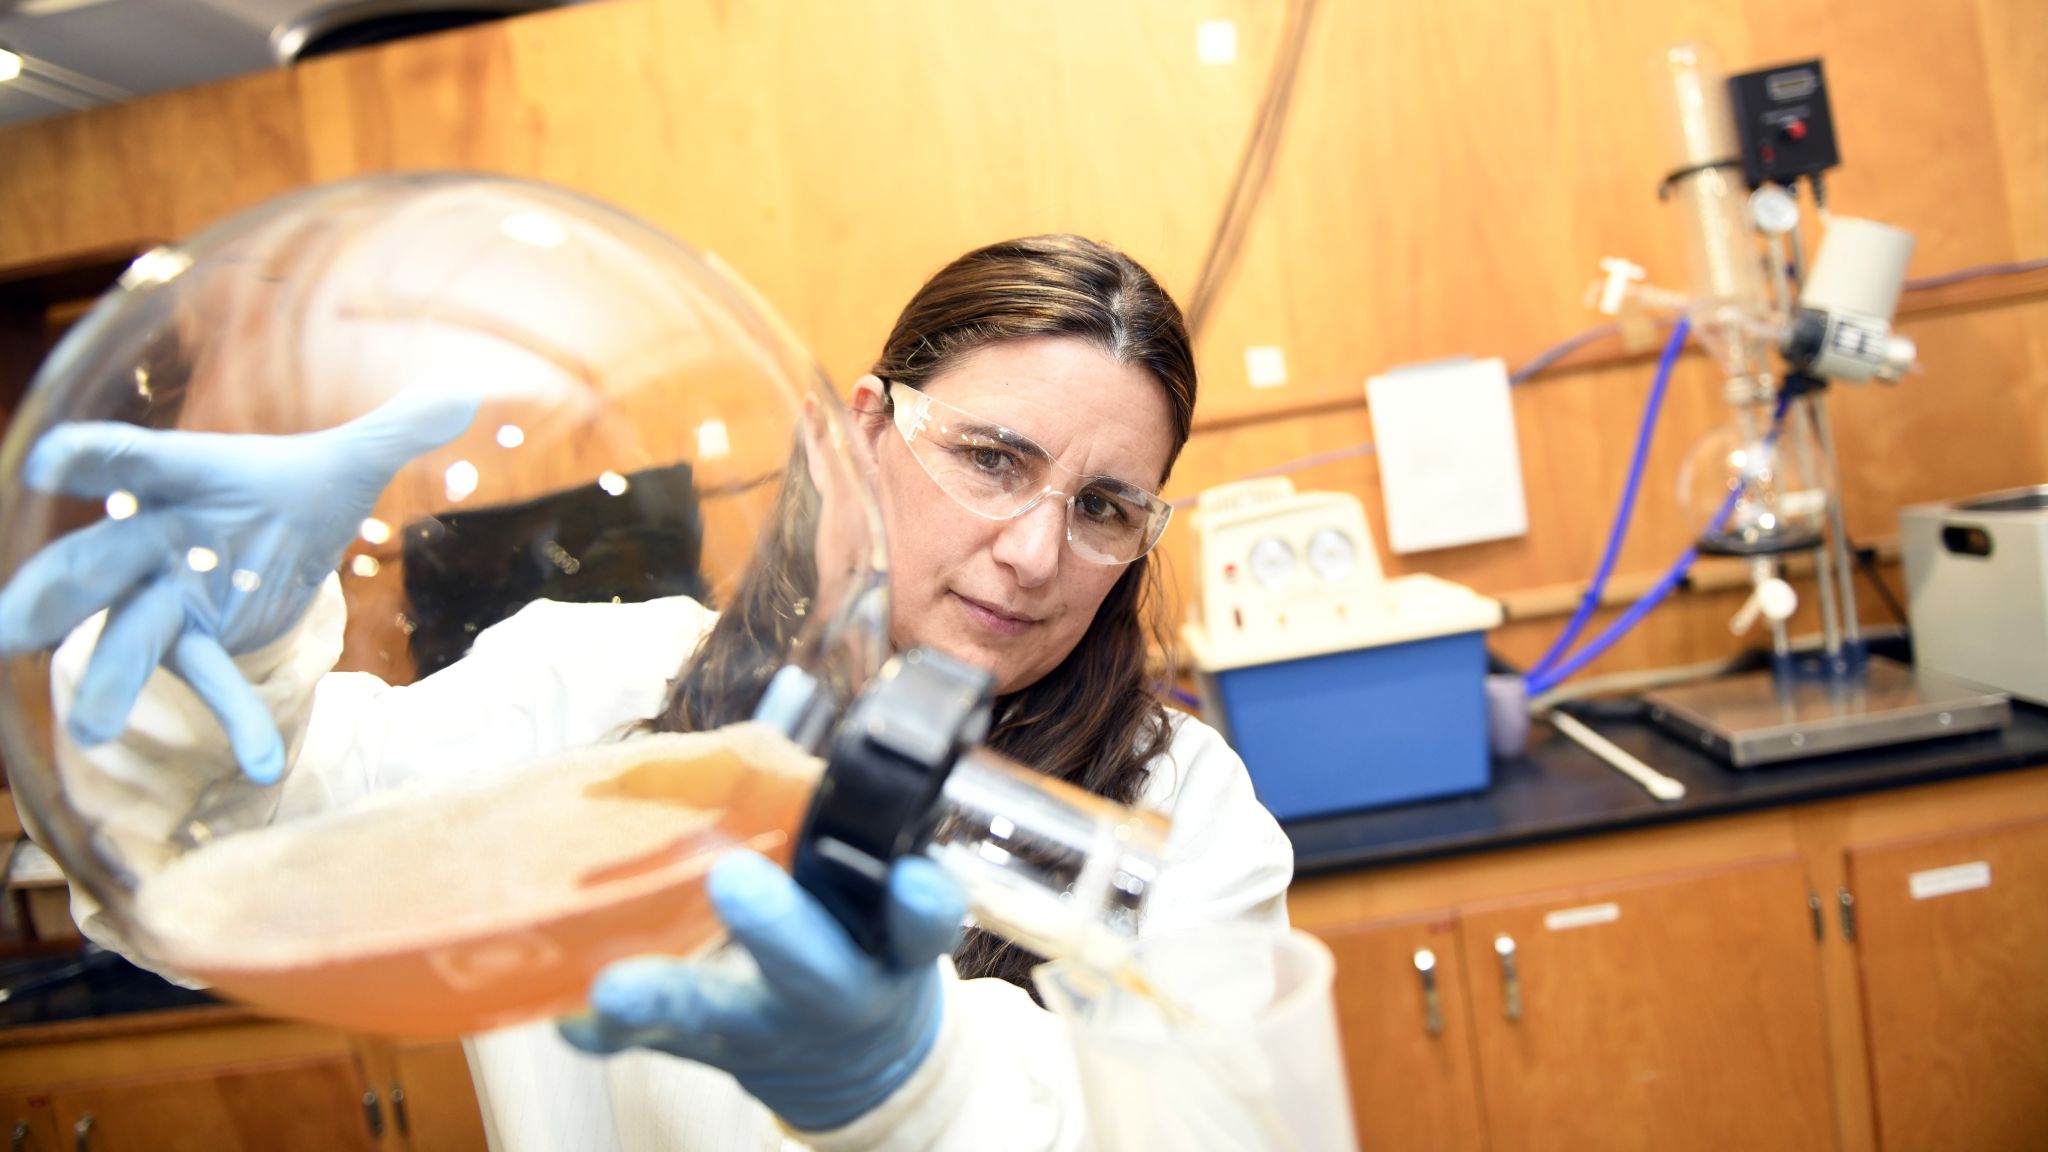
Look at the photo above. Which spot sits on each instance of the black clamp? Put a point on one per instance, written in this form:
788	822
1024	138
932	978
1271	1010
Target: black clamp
1672	178
887	762
1806	338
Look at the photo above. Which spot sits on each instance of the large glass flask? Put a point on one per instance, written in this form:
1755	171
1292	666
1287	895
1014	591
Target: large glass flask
460	471
643	427
1750	494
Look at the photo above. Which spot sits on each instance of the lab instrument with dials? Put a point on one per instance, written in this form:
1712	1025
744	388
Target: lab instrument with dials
1341	688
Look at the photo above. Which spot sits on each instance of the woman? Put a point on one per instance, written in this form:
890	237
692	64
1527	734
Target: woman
1024	414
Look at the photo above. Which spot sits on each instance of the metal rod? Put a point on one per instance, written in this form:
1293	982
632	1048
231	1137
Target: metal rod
1781	288
1806	437
1845	571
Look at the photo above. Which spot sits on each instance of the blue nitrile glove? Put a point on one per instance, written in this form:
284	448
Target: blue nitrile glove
272	515
814	1027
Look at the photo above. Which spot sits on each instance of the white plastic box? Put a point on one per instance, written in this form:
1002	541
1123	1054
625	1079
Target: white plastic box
1977	589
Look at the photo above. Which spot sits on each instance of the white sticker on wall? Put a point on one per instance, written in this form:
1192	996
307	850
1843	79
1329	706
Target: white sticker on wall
1216	41
1265	365
1949	881
1582	917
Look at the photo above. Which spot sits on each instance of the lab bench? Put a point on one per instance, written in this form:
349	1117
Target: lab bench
118	1060
1839	954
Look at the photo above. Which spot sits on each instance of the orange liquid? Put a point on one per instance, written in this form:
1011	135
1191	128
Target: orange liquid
440	912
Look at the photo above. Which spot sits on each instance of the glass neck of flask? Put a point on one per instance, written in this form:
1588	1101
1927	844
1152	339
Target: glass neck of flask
1051	867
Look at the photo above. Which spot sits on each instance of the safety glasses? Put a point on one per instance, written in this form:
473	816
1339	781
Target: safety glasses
995	472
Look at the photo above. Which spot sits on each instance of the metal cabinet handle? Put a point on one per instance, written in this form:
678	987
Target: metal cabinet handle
1504	947
373	1115
398	1110
81	1133
1432	1004
20	1136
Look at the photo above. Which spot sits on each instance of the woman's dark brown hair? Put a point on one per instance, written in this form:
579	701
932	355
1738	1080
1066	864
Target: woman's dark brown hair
1094	720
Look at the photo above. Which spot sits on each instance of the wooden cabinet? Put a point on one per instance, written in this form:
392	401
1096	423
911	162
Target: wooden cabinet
309	1105
27	1123
1686	1007
425	1090
1698	985
1405	1018
1952	936
215	1080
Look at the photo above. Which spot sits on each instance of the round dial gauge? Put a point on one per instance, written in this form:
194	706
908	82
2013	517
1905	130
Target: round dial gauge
1332	554
1271	562
1773	210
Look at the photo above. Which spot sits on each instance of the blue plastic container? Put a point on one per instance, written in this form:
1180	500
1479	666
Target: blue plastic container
1359	729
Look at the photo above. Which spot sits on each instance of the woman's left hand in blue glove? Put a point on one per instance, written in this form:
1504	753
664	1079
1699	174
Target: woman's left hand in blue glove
815	1028
229	539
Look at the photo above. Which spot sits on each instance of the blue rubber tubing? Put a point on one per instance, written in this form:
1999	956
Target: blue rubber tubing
1626	511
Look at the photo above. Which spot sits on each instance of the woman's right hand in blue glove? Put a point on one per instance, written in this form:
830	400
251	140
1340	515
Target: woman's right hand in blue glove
231	537
815	1028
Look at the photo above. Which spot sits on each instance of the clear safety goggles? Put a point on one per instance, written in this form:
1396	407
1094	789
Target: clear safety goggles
995	472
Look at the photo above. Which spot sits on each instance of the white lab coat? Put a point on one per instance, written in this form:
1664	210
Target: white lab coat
558	675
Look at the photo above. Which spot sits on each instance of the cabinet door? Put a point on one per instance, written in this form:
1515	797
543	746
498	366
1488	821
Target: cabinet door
1675	1013
435	1103
1407	1043
1952	936
27	1124
306	1106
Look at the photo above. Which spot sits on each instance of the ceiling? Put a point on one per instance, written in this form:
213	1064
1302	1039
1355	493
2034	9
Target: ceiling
122	48
135	46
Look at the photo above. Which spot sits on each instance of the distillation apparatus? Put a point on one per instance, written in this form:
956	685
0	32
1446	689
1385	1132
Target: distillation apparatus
1766	486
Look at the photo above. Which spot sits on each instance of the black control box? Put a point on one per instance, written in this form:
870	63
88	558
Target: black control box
1782	118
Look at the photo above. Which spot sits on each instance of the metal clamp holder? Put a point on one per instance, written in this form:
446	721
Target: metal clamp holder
888	760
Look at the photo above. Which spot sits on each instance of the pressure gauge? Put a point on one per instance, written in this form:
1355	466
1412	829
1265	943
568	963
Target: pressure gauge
1271	562
1773	210
1332	554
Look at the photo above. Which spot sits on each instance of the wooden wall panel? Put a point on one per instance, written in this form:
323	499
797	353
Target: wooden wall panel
1450	176
1975	420
1454	175
160	167
440	102
890	138
2014	40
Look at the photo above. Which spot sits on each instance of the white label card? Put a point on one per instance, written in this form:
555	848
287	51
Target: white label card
1450	467
1949	881
1265	365
1582	917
